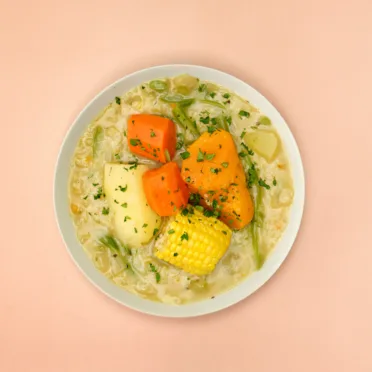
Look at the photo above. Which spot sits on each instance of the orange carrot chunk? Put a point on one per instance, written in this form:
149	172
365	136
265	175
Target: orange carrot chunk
152	137
165	190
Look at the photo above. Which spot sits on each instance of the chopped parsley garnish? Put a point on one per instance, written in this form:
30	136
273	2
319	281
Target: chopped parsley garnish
211	129
156	230
154	270
205	120
126	218
226	95
124	205
180	142
123	189
212	94
175	254
152	133
243	113
188	179
105	210
115	201
211	192
99	194
253	176
242	154
185	155
117	156
85	197
185	212
200	156
214	204
224	232
144	225
214	121
225	164
95	184
243	134
210	156
171	231
208	213
202	87
274	182
194	198
262	183
185	236
215	170
223	198
135	230
250	152
133	166
134	142
228	119
118	100
200	208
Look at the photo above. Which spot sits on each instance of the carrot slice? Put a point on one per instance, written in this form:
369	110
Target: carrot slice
213	170
165	190
152	137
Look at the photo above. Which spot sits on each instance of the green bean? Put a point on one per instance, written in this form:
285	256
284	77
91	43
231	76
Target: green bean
255	243
257	222
212	103
222	123
116	248
177	98
158	85
183	120
111	243
97	138
186	102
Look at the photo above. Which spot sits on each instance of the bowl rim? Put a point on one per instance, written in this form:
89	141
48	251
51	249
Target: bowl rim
250	284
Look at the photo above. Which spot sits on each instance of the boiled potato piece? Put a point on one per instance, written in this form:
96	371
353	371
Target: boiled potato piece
264	143
185	84
134	220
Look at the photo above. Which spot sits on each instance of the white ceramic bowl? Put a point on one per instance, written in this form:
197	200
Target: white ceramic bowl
251	283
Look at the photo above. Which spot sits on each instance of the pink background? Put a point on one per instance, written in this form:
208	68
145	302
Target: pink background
313	60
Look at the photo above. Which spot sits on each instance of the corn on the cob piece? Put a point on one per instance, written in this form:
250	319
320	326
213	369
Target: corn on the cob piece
193	242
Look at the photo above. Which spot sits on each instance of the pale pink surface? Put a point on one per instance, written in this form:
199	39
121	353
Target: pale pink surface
313	60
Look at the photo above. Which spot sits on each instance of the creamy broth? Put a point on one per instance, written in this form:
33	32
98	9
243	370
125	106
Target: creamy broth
137	270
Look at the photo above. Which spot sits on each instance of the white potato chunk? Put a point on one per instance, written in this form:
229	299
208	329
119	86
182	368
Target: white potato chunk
134	220
264	143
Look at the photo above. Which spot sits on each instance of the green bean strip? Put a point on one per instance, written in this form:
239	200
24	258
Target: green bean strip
158	85
177	98
212	103
222	123
183	120
258	216
110	242
97	138
114	246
